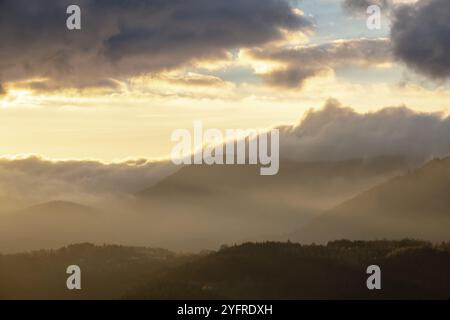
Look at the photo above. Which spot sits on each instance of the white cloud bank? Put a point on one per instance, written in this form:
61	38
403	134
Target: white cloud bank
37	179
335	133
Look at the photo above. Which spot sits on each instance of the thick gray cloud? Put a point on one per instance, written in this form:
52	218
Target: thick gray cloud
337	133
38	180
307	62
120	38
421	37
293	76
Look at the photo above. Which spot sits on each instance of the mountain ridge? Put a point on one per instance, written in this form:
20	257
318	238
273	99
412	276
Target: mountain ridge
413	205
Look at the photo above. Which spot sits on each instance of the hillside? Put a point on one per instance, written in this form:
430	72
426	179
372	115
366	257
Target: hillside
55	208
211	205
410	269
48	225
201	207
414	205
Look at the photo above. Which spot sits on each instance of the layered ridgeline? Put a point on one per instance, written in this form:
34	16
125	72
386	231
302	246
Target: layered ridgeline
410	269
211	205
413	205
317	190
201	207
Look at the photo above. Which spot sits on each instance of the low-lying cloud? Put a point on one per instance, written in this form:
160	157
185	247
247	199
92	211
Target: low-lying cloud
36	179
333	133
336	133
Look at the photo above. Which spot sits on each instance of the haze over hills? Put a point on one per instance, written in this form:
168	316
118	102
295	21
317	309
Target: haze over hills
48	225
223	204
55	208
8	204
310	179
201	207
155	203
345	102
414	205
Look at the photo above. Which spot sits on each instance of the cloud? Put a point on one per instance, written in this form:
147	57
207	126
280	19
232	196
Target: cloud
359	7
120	39
36	179
333	133
336	133
420	36
192	79
306	62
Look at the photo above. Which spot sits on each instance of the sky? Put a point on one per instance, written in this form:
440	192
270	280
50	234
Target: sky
140	69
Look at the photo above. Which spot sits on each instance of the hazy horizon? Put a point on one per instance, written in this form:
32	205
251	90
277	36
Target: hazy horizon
316	132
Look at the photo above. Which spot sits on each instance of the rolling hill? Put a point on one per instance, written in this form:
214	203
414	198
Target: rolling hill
410	269
108	271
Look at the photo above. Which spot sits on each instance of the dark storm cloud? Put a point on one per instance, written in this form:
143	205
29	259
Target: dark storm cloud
121	38
307	62
421	37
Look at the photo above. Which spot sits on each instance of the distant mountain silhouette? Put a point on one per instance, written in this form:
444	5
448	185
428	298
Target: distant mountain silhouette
57	208
223	204
335	178
201	207
414	205
46	225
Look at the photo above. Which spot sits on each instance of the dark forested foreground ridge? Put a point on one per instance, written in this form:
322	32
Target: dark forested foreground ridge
410	269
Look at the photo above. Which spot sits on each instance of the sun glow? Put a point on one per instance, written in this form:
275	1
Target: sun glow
15	97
